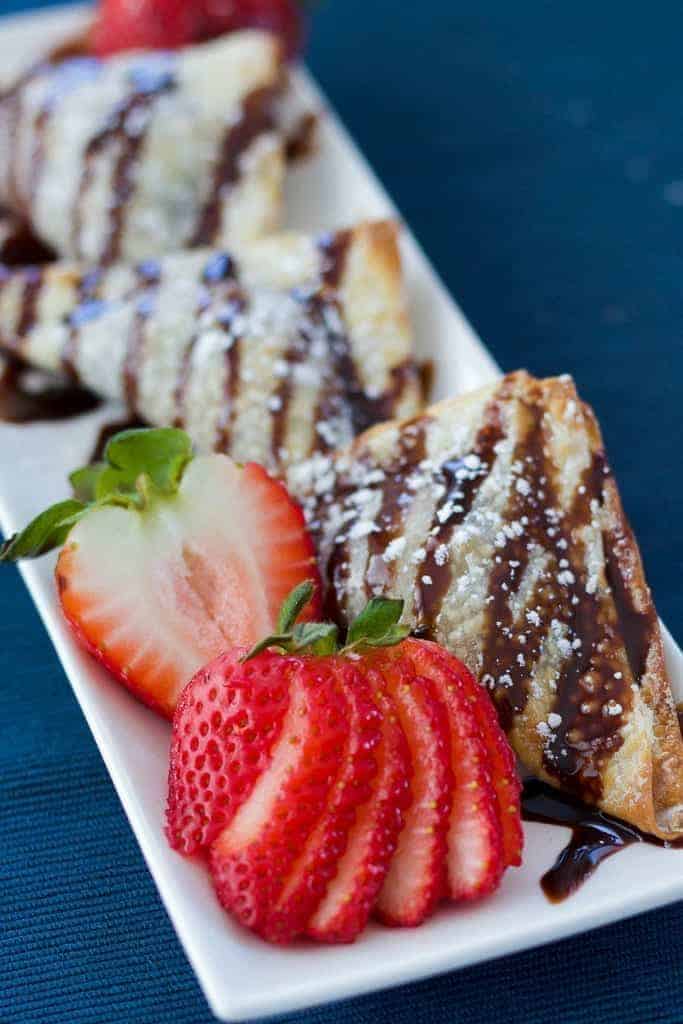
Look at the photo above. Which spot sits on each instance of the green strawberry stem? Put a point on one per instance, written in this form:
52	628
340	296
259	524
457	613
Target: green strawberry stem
378	625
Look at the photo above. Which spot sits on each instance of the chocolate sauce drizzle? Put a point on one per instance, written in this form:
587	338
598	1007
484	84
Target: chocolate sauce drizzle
125	129
593	681
219	285
396	497
462	479
234	305
148	279
301	143
595	836
255	119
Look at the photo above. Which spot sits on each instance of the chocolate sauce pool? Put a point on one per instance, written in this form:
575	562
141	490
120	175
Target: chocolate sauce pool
595	837
27	396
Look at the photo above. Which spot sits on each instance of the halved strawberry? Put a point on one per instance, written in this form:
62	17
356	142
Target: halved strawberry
227	722
360	873
475	847
417	877
318	859
254	855
502	763
170	560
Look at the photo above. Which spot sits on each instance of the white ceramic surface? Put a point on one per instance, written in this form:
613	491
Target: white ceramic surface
241	976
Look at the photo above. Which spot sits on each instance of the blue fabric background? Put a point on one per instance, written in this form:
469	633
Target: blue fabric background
537	151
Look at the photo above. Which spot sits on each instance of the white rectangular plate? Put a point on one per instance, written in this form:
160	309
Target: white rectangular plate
241	976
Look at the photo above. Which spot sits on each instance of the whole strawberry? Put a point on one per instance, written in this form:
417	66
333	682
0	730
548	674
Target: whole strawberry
168	24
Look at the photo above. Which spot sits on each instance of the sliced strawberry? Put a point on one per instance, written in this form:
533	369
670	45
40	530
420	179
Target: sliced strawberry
254	855
417	877
475	847
156	594
372	841
318	860
502	763
226	725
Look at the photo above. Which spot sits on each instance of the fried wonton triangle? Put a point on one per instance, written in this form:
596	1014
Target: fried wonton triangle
498	520
292	347
146	153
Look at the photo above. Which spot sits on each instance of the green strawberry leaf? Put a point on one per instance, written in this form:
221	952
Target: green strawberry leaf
279	640
138	465
316	637
135	458
84	482
47	531
377	625
293	605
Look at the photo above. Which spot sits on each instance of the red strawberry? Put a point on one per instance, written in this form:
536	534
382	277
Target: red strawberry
475	848
171	560
324	784
142	25
254	855
361	871
417	878
502	763
319	857
227	722
167	24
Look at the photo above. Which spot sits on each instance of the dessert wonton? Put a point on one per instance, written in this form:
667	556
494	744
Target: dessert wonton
144	153
496	517
289	348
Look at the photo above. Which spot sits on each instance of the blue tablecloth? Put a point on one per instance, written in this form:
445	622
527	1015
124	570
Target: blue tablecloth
537	151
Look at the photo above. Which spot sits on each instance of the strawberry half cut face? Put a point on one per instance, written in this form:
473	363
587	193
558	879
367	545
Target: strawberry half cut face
170	560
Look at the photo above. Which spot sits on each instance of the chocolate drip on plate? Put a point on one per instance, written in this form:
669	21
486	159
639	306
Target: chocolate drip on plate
29	396
595	837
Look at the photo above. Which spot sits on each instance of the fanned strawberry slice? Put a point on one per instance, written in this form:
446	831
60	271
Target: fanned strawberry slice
317	862
226	725
475	848
157	578
417	878
502	764
252	858
360	872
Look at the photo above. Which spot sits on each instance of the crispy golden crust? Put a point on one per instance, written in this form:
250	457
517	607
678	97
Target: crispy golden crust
496	518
